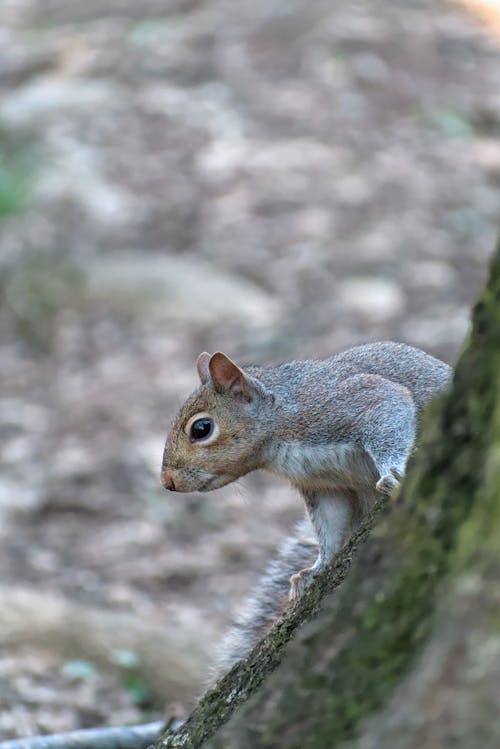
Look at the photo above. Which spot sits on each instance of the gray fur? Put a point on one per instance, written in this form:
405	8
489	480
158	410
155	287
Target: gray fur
314	384
341	430
268	601
345	426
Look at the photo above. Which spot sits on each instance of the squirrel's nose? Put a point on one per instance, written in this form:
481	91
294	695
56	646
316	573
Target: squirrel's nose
167	480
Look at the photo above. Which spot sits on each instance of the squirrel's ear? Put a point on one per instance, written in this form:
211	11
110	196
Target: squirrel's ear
228	377
202	363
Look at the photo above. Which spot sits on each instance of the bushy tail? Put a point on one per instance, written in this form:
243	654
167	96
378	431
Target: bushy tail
268	601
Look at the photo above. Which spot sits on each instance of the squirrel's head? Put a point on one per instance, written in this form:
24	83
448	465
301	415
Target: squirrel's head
219	433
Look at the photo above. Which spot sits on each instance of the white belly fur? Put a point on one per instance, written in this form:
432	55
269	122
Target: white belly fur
323	467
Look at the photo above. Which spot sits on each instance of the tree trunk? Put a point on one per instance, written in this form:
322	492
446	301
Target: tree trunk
406	652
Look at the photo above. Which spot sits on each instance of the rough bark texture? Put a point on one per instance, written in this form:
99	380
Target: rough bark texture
418	614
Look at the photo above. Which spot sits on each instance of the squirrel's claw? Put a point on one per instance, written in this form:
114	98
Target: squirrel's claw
397	474
386	484
299	582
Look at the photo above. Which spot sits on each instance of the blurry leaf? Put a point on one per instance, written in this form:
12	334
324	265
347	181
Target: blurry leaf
125	658
148	32
138	687
133	681
15	187
19	159
451	122
80	670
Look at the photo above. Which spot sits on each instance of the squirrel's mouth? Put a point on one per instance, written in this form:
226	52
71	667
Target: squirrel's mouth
200	480
215	482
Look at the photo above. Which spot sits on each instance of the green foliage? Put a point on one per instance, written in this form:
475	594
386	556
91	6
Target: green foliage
128	663
33	292
15	185
133	680
17	168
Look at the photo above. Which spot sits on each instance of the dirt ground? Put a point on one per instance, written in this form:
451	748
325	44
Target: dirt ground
272	179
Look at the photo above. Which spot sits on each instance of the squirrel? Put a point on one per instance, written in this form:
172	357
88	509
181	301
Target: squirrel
339	429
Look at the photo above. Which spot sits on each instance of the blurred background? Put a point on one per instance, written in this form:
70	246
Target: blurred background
271	178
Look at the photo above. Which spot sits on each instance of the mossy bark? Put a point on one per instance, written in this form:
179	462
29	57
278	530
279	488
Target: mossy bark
346	664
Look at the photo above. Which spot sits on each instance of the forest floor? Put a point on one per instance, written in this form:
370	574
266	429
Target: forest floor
272	179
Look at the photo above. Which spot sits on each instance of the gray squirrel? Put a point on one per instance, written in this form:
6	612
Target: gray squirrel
340	429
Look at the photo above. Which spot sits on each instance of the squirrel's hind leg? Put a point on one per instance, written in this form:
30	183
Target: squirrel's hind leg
389	436
331	517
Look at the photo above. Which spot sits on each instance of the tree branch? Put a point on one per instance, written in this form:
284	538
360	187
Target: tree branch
123	737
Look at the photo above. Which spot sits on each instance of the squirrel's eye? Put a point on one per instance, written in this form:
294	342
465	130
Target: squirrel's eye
201	429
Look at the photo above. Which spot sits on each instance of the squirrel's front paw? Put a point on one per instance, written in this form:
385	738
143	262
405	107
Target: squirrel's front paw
299	582
386	484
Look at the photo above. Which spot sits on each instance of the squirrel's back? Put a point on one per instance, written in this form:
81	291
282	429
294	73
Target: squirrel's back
421	373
